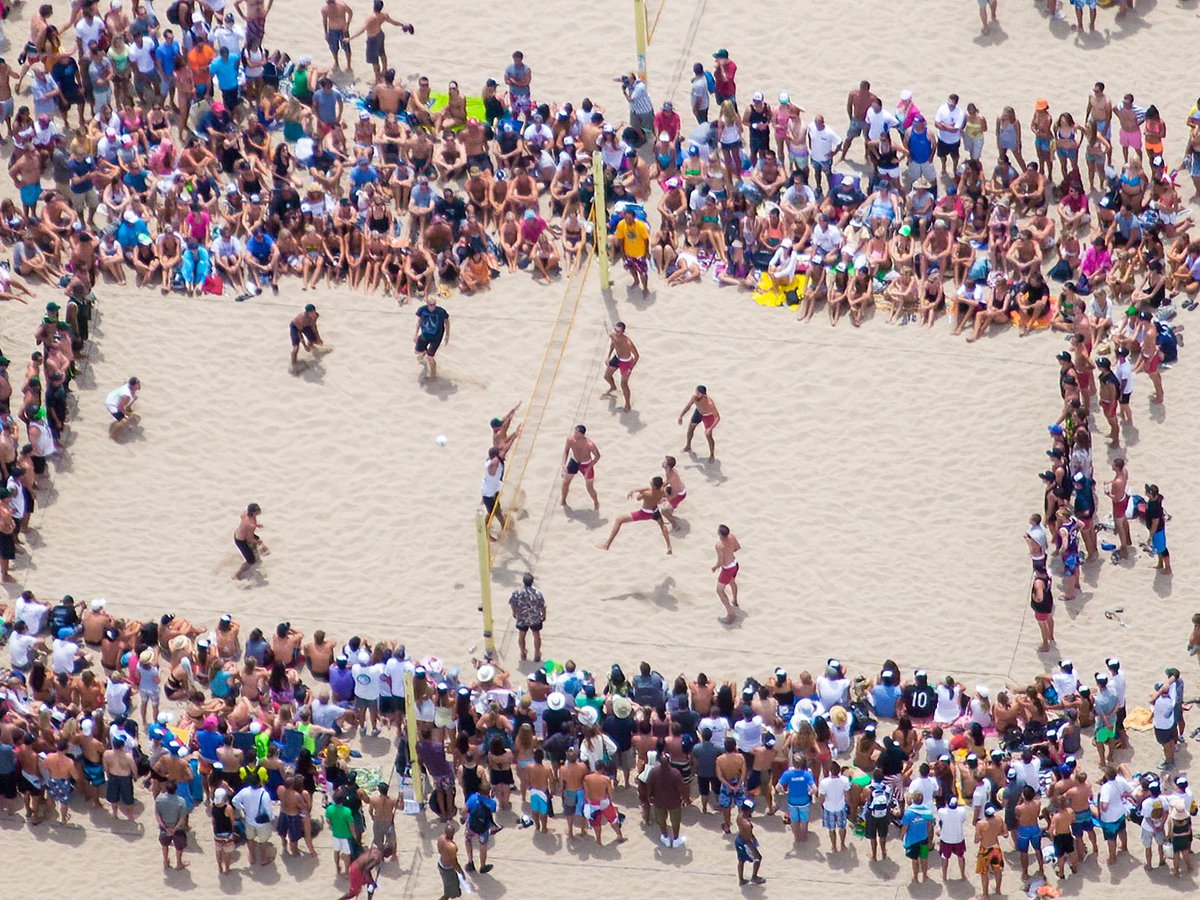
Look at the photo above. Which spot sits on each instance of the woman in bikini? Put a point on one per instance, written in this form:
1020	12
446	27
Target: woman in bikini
816	289
1067	137
1154	131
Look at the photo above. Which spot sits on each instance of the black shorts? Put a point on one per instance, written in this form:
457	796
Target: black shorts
1165	735
120	789
483	160
944	149
1064	845
708	785
877	827
534	628
1125	398
296	332
429	345
231	97
8	785
118	415
178	838
246	550
8	546
39	465
387	705
491	503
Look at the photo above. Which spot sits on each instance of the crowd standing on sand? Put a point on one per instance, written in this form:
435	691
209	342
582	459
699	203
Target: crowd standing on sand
250	734
177	154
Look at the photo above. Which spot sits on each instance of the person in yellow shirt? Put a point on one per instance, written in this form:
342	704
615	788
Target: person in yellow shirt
633	237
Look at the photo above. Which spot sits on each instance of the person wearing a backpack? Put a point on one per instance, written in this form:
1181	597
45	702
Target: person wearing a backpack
702	86
479	815
878	815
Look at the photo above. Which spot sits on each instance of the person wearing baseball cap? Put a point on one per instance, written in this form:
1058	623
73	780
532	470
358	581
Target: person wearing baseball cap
724	74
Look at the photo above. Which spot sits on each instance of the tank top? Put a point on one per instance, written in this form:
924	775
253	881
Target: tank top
222	824
491	483
729	134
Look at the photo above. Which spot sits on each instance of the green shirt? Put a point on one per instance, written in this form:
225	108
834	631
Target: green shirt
340	821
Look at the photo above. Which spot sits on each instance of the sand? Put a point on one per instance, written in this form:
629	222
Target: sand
879	479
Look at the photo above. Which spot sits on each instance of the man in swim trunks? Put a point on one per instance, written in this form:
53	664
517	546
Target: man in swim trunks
60	771
706	412
727	567
623	356
857	104
675	490
373	26
336	16
652	498
449	868
746	845
1029	831
731	773
433	327
1116	491
579	458
303	329
598	805
989	860
119	768
570	777
246	539
1130	128
1100	110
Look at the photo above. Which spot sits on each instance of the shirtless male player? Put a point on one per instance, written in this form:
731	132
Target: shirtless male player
706	412
579	458
727	547
675	489
303	330
652	498
622	355
247	541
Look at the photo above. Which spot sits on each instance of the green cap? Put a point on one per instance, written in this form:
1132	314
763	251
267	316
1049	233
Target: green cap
310	308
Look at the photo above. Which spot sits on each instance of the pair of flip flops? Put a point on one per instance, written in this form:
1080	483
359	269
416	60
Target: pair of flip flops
1189	305
1115	615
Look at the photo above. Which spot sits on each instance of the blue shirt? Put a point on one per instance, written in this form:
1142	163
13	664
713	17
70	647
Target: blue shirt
81	168
166	54
883	698
209	741
260	247
799	784
226	72
360	177
127	235
920	146
916	821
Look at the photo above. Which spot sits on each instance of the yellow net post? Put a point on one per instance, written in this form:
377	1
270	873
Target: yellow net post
600	218
485	576
410	721
639	23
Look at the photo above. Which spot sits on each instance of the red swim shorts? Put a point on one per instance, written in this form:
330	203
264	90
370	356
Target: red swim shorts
726	575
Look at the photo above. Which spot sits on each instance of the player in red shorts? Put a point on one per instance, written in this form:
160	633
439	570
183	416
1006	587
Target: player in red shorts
675	490
363	873
652	498
622	356
706	412
579	458
727	546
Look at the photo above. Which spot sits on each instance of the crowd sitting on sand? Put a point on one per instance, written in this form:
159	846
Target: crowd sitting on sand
202	163
255	732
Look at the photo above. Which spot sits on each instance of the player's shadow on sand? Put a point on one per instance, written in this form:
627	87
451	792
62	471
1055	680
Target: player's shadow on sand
632	420
589	517
710	470
442	388
637	300
661	596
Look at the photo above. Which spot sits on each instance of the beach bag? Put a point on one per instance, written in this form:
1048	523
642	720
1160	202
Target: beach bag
214	285
263	816
711	82
1061	270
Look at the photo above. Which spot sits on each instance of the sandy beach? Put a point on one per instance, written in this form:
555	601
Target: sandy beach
879	479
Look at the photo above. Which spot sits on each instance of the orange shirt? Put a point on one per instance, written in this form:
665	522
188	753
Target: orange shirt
198	59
